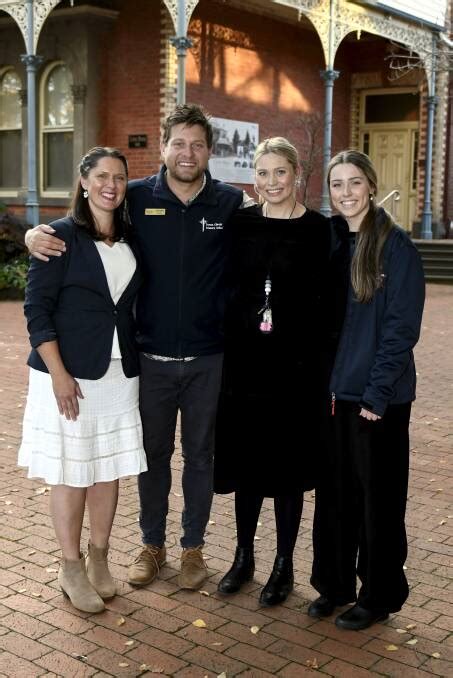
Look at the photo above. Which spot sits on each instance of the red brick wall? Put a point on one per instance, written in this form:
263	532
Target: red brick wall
130	84
249	67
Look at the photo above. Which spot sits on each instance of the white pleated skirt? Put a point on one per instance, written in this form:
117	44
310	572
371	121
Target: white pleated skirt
104	443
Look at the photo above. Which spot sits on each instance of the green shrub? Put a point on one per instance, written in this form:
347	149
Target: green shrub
14	274
13	255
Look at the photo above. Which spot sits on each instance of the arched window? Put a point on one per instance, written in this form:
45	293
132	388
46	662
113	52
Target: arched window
57	128
10	130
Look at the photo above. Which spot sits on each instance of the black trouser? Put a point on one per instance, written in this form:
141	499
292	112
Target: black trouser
288	512
360	507
193	389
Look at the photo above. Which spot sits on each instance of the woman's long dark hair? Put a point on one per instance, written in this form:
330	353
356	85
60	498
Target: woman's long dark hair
80	210
373	231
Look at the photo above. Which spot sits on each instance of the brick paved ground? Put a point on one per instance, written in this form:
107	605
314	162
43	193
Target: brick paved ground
151	630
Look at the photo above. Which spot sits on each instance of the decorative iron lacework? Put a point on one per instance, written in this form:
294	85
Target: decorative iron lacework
172	6
41	10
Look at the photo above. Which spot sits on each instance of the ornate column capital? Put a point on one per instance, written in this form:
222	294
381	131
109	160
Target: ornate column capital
182	44
79	93
432	101
329	75
31	61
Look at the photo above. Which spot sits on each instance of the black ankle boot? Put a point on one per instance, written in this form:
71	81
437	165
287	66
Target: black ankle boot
280	583
321	607
241	571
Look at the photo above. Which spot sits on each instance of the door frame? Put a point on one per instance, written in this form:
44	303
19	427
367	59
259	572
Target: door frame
413	129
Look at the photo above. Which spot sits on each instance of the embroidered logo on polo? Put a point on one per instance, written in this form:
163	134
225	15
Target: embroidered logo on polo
208	226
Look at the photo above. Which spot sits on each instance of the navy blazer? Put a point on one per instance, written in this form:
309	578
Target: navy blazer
68	299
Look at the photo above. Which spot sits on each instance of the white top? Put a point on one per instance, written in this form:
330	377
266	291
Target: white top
119	265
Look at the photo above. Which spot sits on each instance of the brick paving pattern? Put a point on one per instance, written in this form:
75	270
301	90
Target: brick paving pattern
146	631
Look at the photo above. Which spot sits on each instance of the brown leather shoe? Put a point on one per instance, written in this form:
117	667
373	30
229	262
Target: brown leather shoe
146	566
193	568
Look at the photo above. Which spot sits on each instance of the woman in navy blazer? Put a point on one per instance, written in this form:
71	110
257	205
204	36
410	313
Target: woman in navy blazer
82	428
62	297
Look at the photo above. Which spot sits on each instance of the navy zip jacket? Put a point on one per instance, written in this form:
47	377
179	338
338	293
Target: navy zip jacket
183	249
374	365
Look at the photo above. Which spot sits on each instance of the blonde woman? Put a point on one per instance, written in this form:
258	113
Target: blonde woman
266	442
360	502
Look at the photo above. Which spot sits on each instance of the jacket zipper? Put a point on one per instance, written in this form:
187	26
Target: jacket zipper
338	367
181	266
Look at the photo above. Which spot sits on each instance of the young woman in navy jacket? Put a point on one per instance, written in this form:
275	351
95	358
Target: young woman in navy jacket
359	525
82	428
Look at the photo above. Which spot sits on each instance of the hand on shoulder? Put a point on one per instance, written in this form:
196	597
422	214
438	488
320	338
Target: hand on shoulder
42	244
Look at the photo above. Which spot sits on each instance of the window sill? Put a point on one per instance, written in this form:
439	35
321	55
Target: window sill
56	195
43	201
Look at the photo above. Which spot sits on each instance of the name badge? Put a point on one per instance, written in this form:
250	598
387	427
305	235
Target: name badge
155	211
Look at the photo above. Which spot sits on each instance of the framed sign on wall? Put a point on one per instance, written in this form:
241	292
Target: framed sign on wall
233	147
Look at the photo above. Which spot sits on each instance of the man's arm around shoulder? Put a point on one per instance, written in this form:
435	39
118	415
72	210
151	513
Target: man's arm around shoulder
42	244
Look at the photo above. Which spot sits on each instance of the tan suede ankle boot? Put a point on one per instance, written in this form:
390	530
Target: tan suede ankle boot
75	585
98	572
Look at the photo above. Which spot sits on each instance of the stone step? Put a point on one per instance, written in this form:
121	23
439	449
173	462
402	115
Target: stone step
437	258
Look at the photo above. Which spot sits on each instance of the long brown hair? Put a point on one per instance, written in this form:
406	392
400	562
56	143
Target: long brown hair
79	209
373	231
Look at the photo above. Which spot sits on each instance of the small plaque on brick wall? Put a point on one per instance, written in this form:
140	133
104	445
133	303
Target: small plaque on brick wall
138	140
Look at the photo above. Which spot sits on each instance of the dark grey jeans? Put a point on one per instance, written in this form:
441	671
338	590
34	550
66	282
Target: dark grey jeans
193	388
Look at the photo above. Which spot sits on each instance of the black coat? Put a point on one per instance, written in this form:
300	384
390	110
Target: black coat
68	299
272	386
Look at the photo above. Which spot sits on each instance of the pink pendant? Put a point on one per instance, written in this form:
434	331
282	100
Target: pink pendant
266	325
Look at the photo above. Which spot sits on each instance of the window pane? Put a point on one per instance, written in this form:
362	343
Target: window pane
10	108
58	102
391	108
10	160
366	143
58	172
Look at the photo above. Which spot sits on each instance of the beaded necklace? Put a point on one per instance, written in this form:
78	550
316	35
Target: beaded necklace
266	323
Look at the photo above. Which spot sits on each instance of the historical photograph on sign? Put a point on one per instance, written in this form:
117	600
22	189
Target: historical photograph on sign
233	147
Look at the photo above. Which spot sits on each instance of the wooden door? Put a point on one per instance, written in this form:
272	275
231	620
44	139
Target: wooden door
391	152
